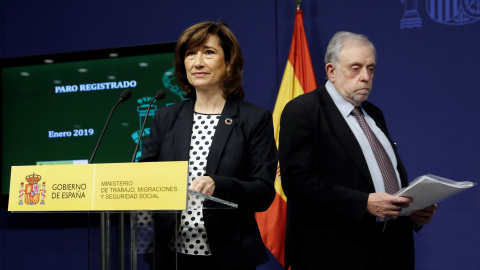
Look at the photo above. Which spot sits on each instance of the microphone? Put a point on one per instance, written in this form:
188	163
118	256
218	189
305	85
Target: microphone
158	96
124	96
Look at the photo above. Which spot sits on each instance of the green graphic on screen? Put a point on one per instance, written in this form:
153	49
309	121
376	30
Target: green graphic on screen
55	113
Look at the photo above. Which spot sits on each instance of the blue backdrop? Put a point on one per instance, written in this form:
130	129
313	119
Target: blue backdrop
426	83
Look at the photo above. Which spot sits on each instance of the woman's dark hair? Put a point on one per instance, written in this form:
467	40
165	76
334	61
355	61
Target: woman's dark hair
195	36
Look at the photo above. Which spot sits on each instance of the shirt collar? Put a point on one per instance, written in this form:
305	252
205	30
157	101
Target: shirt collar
343	105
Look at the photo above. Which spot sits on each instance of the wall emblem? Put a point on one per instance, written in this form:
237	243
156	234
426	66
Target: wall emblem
456	12
32	192
411	18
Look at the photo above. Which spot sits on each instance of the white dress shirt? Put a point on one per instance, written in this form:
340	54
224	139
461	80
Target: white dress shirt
345	108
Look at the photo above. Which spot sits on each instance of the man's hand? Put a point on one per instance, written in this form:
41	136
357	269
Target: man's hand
384	205
423	217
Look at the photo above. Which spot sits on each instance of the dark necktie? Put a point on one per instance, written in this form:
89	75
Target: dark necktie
383	160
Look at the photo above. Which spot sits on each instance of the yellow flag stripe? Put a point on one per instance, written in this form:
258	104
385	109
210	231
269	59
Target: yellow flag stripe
289	89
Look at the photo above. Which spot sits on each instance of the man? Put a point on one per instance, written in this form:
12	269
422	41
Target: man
341	211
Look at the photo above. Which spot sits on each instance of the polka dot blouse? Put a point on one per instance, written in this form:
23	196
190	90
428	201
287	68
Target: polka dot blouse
192	236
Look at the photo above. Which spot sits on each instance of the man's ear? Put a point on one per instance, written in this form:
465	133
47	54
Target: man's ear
330	71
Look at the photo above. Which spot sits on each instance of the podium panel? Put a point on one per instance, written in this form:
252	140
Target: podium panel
99	187
128	237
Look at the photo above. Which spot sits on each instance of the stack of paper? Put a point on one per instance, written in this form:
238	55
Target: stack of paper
430	189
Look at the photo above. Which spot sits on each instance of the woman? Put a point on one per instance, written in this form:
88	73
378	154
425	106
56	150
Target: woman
231	151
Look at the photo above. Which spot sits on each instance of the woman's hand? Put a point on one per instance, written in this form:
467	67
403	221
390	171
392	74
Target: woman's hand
203	184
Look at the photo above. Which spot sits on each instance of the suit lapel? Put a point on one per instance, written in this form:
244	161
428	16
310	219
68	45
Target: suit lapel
225	126
343	133
183	131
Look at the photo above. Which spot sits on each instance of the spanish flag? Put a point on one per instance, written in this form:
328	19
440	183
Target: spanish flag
298	78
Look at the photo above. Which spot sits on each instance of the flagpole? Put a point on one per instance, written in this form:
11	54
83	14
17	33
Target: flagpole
299	2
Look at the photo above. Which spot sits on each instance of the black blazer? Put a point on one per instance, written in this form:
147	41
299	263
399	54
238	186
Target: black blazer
327	182
242	161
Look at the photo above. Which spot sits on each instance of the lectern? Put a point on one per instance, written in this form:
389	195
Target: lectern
112	191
